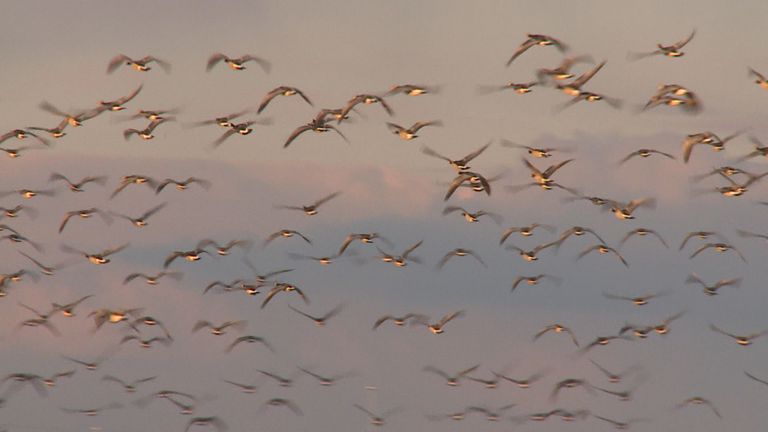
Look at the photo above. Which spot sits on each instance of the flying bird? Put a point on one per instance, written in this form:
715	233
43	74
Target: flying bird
537	39
140	65
236	63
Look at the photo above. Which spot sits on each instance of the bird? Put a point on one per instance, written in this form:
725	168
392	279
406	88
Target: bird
244	128
478	182
279	287
68	309
708	138
281	91
91	412
17	238
530	255
78	186
491	414
318	124
735	189
236	63
249	339
563	70
472	217
365	238
741	340
754	378
557	328
73	120
98	258
42	320
576	231
189	256
759	78
246	388
603	341
615	378
146	133
55	132
412	90
644	153
671	51
153	279
327	381
525	231
139	65
663	328
642	232
637	300
225	249
322	320
142	220
53	379
117	104
603	249
402	259
459	165
153	115
225	121
218	330
281	402
409	133
20	379
537	39
29	193
365	99
128	386
451	380
712	290
573	88
698	400
286	233
400	320
113	316
624	211
282	381
534	280
311	209
536	152
437	327
719	247
214	421
517	87
23	134
90	365
544	177
378	419
675	95
322	260
588	96
524	383
570	383
459	252
618	425
136	179
182	184
761	150
85	214
702	235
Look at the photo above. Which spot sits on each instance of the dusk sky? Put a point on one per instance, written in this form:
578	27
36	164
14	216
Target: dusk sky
58	52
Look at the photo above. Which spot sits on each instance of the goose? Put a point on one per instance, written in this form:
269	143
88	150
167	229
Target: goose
236	63
139	65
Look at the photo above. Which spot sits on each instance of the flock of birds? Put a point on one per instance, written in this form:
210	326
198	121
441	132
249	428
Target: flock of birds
275	288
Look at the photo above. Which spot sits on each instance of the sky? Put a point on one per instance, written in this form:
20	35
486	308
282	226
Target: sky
332	51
